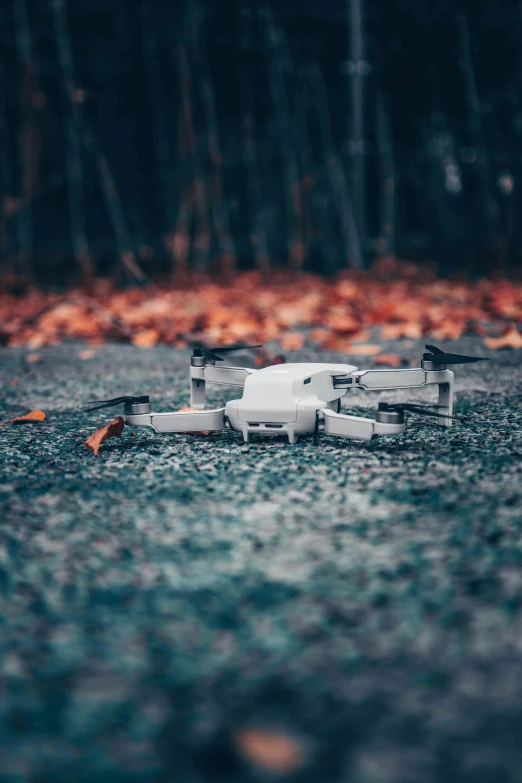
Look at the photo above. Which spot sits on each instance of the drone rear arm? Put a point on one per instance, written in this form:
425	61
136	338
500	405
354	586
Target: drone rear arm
209	373
180	421
379	380
344	426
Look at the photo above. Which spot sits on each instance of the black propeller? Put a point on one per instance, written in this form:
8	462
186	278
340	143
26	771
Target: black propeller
420	410
439	357
117	401
212	355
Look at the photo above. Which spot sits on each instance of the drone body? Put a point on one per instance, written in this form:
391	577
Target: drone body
292	400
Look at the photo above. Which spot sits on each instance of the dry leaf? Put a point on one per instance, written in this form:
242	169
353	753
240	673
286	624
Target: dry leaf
146	339
33	357
364	350
293	341
389	360
450	330
338	344
270	750
87	354
112	430
360	337
29	417
36	341
266	358
342	323
412	331
318	335
512	339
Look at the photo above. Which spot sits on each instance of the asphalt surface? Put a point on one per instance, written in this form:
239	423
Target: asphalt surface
363	599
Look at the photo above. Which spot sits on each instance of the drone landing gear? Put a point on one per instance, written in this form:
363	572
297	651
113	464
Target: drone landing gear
269	430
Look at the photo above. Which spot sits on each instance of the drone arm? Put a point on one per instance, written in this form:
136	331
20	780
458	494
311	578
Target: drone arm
344	426
377	380
209	373
177	421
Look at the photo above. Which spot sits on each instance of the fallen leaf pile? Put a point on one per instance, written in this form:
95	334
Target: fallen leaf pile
29	418
270	750
335	314
112	430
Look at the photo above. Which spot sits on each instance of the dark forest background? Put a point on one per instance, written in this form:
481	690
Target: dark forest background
155	137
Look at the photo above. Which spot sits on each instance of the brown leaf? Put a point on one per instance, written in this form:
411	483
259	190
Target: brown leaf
146	338
360	337
293	341
389	360
318	335
512	339
270	750
451	330
87	354
364	350
29	417
35	342
343	323
413	331
112	430
33	357
266	358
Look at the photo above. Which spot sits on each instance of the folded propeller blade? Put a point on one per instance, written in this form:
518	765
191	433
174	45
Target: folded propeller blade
420	410
440	357
97	404
213	353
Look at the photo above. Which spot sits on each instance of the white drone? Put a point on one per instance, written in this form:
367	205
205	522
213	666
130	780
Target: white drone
297	399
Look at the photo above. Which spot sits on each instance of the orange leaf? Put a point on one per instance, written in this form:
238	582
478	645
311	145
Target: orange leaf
342	323
268	749
36	342
29	417
266	358
319	335
388	360
146	338
364	350
512	339
87	354
293	341
360	337
395	331
33	357
112	430
451	330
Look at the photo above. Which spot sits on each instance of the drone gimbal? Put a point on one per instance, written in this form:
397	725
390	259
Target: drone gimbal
297	399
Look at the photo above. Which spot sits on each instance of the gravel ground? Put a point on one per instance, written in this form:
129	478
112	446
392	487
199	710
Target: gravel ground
364	599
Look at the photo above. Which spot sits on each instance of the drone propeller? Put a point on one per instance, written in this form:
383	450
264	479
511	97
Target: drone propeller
117	401
212	355
440	357
419	410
